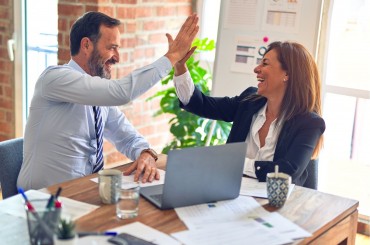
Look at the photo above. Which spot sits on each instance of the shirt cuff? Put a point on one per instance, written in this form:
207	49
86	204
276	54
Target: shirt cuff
184	87
164	66
249	167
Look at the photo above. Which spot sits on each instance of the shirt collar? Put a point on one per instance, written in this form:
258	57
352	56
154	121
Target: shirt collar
262	113
75	66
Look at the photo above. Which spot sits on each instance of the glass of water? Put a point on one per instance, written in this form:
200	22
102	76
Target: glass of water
128	202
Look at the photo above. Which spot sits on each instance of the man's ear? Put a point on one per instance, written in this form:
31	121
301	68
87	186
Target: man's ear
85	44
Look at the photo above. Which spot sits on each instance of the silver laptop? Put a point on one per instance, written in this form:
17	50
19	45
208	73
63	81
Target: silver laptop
199	175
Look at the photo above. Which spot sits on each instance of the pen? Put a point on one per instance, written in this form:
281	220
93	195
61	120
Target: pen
58	192
105	233
50	202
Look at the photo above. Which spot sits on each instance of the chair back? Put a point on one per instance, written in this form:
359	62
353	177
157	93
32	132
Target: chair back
11	158
313	174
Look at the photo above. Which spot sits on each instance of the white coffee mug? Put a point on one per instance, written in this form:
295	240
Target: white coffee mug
109	180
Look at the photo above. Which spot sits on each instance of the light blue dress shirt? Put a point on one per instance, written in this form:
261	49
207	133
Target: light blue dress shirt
60	139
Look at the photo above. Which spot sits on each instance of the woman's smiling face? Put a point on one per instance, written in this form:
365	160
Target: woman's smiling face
270	76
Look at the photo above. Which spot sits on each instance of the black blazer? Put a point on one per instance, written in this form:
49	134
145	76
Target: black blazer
296	141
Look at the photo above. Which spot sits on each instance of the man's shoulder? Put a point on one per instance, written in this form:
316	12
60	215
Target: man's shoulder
57	71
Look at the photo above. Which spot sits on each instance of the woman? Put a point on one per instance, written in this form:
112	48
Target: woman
280	120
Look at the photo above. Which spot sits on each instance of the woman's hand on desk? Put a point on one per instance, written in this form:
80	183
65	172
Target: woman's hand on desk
145	167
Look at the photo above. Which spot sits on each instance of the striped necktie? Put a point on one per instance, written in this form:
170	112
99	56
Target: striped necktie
99	139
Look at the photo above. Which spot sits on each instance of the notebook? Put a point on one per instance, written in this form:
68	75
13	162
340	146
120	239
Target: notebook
199	175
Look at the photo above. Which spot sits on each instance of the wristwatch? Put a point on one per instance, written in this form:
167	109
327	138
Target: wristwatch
151	152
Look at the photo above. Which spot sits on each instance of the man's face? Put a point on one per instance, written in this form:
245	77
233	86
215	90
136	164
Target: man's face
105	52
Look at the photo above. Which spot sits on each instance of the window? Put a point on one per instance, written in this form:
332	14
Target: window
344	162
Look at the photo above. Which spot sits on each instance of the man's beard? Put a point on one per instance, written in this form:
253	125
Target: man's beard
96	66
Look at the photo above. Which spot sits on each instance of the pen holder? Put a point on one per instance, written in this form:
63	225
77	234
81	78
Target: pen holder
42	221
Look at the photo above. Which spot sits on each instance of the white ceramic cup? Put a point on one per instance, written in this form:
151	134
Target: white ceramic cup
109	180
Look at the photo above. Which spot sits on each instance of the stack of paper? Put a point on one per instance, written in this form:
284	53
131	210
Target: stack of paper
239	221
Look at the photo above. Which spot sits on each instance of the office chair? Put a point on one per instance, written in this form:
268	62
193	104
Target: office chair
11	158
313	174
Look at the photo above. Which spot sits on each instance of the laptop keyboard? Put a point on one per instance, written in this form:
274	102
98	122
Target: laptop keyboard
157	197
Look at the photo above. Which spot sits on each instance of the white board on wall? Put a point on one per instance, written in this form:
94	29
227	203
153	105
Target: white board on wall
245	29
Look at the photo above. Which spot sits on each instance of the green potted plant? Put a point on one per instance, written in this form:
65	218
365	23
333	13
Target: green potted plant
65	232
190	130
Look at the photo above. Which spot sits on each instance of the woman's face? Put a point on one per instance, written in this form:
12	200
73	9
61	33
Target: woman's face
271	77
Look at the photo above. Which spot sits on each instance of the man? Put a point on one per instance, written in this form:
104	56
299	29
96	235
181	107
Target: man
74	105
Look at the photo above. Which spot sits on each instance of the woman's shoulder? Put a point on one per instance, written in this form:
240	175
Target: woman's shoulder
310	119
248	92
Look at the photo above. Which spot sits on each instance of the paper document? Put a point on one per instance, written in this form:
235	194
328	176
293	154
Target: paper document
71	209
242	232
136	229
13	230
251	187
130	178
243	208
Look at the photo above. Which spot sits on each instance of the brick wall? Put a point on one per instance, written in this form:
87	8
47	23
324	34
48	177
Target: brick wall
144	24
7	106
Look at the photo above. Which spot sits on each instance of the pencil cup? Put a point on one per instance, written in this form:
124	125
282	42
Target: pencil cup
42	221
277	188
109	179
128	203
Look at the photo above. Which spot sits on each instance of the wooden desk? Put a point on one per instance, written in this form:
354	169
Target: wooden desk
331	219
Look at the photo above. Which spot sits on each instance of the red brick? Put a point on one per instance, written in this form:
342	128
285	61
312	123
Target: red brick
144	12
153	25
63	56
128	43
124	13
139	54
5	137
6	104
124	1
123	58
89	8
106	10
70	10
184	11
147	130
166	11
4	2
5	128
9	116
6	65
98	1
149	52
4	13
8	92
157	38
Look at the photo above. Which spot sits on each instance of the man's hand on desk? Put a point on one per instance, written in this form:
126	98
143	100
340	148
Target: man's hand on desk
145	167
